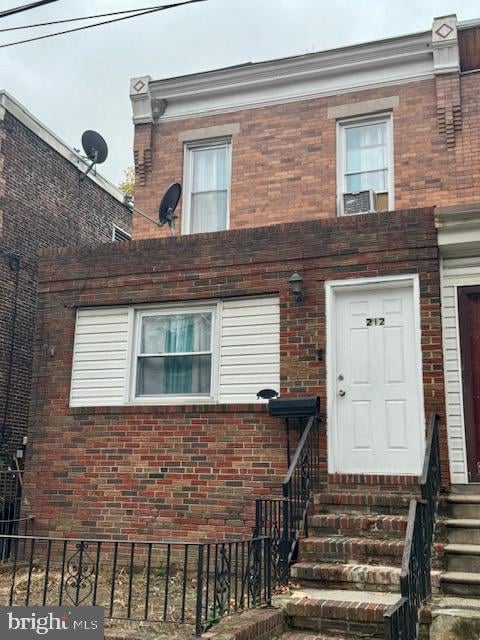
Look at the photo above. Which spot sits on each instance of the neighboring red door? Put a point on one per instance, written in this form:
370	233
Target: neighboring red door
469	318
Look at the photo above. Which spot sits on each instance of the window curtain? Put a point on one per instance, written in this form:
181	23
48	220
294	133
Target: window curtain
208	210
366	157
179	337
175	374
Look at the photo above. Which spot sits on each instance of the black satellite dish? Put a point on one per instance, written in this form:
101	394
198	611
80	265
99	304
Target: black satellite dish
166	211
95	149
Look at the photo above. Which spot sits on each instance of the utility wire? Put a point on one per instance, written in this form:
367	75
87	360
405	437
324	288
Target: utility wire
99	24
98	15
25	7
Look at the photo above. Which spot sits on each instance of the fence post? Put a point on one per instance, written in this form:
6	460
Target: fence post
258	518
268	562
198	609
285	542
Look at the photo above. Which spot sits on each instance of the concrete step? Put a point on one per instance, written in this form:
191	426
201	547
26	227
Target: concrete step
357	502
461	584
454	618
462	557
353	614
463	530
465	489
370	525
347	549
358	577
463	506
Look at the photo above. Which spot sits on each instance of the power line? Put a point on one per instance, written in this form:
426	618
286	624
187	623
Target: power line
98	15
99	24
25	7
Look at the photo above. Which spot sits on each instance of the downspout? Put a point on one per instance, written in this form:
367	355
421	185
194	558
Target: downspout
14	264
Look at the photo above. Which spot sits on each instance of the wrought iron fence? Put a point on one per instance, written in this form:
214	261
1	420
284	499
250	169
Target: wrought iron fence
284	519
402	619
167	582
11	521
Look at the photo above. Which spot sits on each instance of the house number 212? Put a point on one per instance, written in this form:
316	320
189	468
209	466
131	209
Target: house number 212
375	321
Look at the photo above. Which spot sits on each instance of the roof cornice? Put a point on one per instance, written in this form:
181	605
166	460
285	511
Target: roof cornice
368	65
16	108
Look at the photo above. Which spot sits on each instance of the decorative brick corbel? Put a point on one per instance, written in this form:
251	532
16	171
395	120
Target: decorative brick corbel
142	152
446	65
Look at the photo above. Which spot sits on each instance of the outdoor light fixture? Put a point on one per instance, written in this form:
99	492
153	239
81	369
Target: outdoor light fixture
296	282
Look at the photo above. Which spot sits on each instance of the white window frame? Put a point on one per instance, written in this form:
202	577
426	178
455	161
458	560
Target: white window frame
115	227
342	126
188	176
136	323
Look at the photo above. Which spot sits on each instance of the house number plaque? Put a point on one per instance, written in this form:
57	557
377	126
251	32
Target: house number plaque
375	322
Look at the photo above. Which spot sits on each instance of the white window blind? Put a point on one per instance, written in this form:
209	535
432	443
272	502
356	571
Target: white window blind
208	176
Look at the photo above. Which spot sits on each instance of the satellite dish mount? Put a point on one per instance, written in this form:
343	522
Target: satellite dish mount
166	211
95	149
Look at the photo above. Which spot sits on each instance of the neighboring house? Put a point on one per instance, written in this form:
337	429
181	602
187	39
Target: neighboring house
145	418
43	203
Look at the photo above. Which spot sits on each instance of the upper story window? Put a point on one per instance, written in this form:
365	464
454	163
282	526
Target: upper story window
207	185
365	165
174	353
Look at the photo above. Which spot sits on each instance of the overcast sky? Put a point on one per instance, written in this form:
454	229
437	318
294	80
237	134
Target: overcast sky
81	81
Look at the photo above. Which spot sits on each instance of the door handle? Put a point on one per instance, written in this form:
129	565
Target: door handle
341	393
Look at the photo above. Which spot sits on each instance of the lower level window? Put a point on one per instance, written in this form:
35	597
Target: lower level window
174	353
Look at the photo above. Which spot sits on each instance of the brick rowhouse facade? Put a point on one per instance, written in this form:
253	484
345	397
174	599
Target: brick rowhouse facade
283	156
42	203
165	471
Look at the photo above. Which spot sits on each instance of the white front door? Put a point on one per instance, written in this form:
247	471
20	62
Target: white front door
378	425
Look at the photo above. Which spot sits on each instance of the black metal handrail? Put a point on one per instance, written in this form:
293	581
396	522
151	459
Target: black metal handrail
402	619
285	519
192	583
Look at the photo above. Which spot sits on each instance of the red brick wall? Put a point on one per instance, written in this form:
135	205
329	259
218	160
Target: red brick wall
42	204
194	471
283	159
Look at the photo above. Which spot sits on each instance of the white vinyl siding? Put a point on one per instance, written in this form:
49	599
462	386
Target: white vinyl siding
249	348
247	357
100	357
456	272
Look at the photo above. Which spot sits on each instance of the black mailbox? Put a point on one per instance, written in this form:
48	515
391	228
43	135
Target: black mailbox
302	407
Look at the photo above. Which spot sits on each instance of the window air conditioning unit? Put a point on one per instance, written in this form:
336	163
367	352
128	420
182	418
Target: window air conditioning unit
359	202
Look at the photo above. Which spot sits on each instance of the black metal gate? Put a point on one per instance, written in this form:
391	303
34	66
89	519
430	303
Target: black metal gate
11	521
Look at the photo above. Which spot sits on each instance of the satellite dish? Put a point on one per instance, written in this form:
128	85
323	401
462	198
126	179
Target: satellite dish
166	211
95	149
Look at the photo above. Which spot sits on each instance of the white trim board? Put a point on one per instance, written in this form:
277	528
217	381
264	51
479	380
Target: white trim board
13	106
382	282
455	273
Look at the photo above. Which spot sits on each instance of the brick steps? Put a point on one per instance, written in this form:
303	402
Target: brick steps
348	568
361	577
373	525
361	502
349	549
340	612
